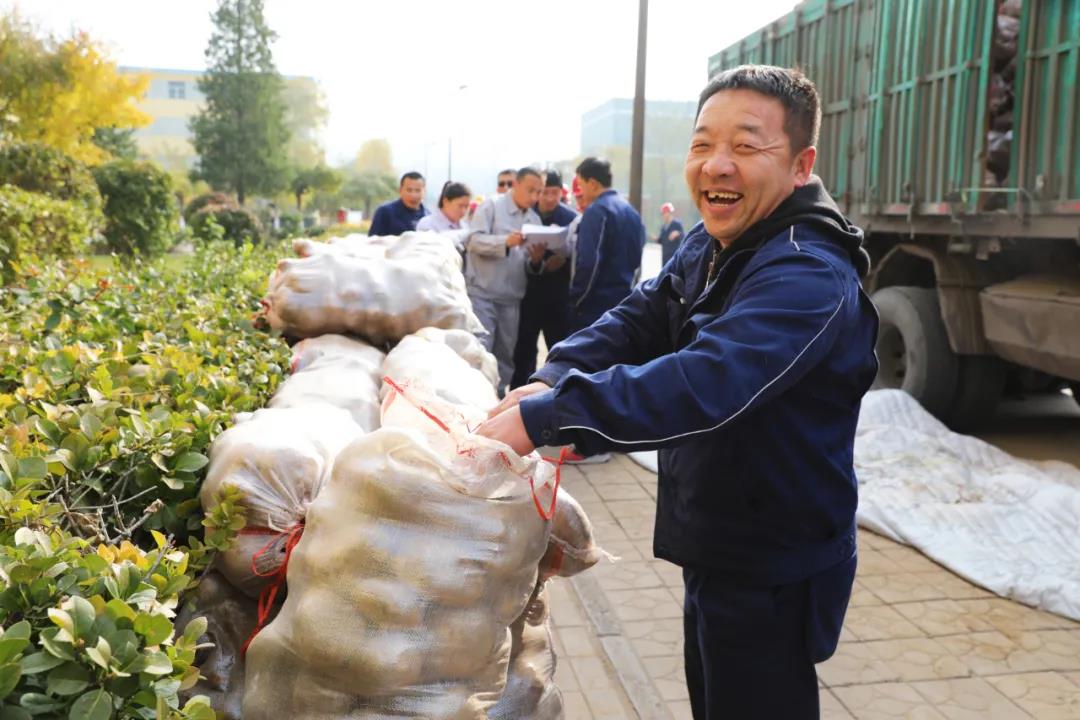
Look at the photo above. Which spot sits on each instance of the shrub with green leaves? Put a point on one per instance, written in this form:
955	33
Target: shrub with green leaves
140	209
211	198
32	223
113	384
42	169
238	224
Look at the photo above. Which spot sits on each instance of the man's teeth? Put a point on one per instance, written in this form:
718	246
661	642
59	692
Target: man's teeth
722	196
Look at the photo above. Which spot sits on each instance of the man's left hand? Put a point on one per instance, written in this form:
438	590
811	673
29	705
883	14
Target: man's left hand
509	428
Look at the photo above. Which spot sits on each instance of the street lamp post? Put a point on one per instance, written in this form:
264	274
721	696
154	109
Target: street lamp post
450	144
637	139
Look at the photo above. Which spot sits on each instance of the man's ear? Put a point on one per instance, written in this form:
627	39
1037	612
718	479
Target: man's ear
804	165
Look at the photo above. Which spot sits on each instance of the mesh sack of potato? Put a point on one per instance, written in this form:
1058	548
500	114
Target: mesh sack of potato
381	299
416	558
453	363
231	617
338	371
531	693
444	247
278	459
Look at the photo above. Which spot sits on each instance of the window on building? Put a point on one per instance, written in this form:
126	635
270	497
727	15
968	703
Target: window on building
177	90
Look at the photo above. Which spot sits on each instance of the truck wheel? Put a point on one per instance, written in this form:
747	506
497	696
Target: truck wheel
978	389
913	348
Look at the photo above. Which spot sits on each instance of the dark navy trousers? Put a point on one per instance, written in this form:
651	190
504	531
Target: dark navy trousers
750	651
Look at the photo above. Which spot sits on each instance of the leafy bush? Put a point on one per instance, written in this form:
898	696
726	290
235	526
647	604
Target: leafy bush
42	169
238	224
113	384
140	210
200	201
35	224
292	225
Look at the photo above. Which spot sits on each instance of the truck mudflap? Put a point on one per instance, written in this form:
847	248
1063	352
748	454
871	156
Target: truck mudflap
1034	320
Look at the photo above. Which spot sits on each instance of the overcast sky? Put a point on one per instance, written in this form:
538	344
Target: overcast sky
393	69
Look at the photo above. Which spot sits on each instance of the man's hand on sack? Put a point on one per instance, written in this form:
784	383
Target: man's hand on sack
514	239
516	396
509	428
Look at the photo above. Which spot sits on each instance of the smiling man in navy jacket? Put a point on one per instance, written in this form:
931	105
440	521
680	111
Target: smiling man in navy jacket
744	363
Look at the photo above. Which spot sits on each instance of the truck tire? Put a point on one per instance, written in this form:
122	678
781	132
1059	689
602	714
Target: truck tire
979	385
913	348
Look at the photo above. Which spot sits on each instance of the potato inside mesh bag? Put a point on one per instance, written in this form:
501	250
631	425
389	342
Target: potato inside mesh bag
425	356
278	459
531	693
468	346
415	559
332	348
337	371
381	300
572	546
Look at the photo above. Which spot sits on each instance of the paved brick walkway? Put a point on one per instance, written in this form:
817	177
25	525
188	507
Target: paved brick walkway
918	642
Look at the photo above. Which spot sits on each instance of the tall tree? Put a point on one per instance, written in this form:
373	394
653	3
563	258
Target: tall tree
305	116
59	92
240	135
374	157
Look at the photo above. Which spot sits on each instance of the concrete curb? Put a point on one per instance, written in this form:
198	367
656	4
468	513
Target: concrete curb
636	683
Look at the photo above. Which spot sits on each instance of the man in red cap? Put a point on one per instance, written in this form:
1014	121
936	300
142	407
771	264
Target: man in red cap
671	233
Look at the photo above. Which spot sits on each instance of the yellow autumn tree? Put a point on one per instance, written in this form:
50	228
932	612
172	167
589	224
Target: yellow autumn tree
61	91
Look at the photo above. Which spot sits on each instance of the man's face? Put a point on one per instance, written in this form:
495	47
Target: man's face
590	190
740	165
549	199
412	193
527	191
667	215
505	182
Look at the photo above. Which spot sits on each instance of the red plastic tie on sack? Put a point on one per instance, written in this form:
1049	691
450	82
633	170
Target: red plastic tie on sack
546	515
269	593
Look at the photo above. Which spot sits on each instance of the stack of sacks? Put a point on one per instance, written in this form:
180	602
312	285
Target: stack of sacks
335	370
453	363
531	693
278	459
418	555
381	289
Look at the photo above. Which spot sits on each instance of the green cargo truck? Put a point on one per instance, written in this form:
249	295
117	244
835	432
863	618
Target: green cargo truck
951	134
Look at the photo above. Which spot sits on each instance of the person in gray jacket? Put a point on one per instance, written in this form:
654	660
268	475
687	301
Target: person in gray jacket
495	265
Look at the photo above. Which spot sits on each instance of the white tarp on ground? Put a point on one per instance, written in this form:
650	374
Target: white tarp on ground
1006	524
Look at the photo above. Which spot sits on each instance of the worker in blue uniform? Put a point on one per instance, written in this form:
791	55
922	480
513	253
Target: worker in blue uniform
607	252
744	363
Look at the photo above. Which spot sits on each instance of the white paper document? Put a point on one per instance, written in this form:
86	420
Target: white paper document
552	236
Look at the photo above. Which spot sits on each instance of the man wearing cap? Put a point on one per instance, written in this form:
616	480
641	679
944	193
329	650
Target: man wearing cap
544	307
401	215
671	233
495	266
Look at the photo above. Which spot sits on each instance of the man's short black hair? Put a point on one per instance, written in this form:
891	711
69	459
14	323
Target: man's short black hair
507	171
526	172
411	175
597	169
795	91
552	178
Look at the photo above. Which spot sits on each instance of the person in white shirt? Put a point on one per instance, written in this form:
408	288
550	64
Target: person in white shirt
453	205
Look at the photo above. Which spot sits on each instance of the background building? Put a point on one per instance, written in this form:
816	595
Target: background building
173	98
606	130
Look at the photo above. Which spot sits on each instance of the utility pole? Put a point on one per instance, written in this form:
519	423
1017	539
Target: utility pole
637	141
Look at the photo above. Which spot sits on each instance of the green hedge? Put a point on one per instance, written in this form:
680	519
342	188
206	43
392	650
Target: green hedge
41	169
35	224
220	222
140	210
113	384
